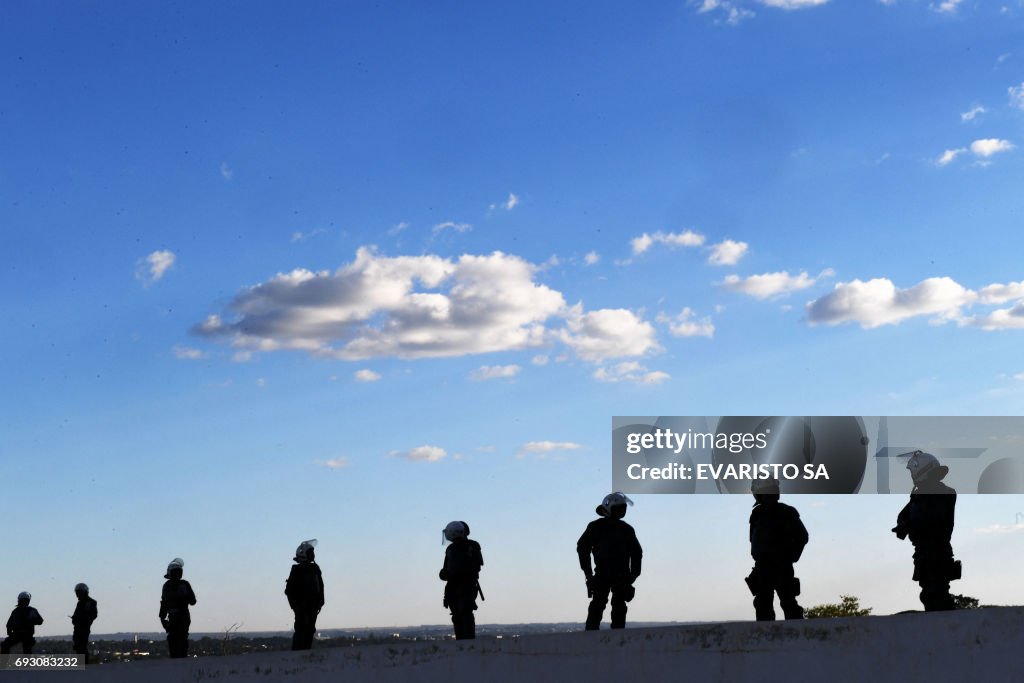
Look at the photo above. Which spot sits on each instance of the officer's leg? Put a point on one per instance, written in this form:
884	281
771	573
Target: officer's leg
27	643
935	595
788	587
619	607
5	647
597	603
764	593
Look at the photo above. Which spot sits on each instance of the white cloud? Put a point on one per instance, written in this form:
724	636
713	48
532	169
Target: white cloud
1016	93
407	307
452	225
544	447
421	454
946	6
336	463
1019	376
226	171
972	113
989	146
299	236
511	203
187	353
397	228
1000	294
261	382
686	238
999	319
591	258
540	360
366	375
769	285
607	333
686	325
727	253
152	268
630	371
879	302
242	356
486	372
794	4
949	156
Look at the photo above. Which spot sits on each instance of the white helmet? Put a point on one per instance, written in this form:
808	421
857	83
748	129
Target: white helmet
24	595
455	531
922	465
82	587
610	501
176	563
302	552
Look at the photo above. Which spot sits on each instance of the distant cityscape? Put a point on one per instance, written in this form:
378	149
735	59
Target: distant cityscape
126	647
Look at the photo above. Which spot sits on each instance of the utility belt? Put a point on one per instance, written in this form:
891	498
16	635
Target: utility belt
757	583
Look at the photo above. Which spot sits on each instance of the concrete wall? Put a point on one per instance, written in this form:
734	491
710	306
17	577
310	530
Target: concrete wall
985	645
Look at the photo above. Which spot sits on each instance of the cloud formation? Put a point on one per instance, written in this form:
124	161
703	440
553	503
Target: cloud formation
336	463
879	302
972	113
768	285
486	372
421	454
630	371
607	333
543	448
727	253
451	225
989	146
152	268
366	375
686	324
187	353
686	238
421	307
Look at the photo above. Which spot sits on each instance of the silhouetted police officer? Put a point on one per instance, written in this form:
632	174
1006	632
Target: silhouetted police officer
21	626
305	591
175	599
461	570
617	559
928	520
85	613
777	539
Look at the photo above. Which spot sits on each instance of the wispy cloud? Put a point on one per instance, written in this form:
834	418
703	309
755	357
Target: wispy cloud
972	113
546	447
686	238
366	375
794	4
946	6
187	353
768	285
421	454
949	156
486	372
1001	529
453	226
336	463
152	268
727	253
299	236
591	258
686	324
397	228
226	171
632	372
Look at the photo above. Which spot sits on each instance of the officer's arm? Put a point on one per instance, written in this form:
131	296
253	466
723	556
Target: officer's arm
583	548
636	558
191	595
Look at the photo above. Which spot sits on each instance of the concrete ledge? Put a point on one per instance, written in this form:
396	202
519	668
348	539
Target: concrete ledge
981	644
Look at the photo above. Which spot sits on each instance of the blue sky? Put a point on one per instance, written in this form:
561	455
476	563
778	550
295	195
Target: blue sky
352	271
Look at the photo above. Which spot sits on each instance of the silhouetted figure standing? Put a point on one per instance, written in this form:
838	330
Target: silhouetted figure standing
928	520
175	599
617	560
777	539
85	613
21	626
305	591
462	562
